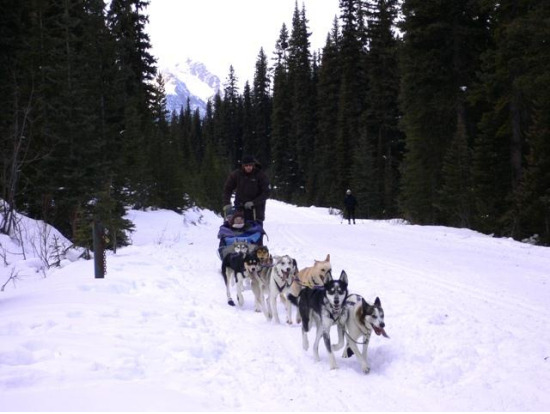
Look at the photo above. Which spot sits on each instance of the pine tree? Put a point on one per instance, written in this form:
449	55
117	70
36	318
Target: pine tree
261	110
351	94
381	115
249	135
534	199
136	72
284	164
302	103
456	192
441	46
16	99
510	88
324	169
232	117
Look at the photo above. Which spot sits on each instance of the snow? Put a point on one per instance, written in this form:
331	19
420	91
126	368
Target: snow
186	73
467	315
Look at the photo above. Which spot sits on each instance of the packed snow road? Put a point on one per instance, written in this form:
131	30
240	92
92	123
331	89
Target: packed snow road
467	316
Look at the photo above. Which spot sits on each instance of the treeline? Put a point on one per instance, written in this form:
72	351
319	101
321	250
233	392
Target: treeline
81	117
434	111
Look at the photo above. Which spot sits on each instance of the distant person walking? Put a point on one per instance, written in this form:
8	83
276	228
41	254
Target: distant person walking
350	203
251	187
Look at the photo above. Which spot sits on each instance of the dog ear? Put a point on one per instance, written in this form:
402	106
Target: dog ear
328	258
328	277
344	277
377	302
367	309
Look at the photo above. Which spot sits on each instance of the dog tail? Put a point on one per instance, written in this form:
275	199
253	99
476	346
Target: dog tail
293	299
348	353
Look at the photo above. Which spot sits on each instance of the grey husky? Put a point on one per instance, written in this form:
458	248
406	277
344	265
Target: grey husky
361	318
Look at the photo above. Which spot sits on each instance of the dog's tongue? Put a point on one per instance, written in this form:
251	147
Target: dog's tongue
380	331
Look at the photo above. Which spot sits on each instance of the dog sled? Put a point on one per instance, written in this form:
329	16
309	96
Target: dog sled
236	230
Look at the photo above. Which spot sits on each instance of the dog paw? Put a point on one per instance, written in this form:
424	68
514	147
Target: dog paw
230	302
365	370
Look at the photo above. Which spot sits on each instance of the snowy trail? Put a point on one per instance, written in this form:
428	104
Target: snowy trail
157	335
436	291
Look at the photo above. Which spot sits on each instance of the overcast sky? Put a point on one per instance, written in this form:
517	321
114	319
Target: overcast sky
221	33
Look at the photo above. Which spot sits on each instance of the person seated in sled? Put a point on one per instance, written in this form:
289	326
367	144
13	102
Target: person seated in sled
235	227
237	222
252	188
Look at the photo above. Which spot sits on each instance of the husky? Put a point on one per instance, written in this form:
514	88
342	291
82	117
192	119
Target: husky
324	307
310	277
361	319
266	262
240	247
233	271
264	256
253	272
280	275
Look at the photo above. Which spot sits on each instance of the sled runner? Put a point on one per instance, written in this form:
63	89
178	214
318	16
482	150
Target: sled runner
236	230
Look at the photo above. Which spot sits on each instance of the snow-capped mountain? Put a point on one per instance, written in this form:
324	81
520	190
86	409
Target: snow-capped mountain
189	80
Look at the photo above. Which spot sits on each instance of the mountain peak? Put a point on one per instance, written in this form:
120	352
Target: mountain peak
189	80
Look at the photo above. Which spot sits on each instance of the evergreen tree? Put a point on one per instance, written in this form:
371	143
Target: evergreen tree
456	191
351	94
16	99
261	110
324	170
249	135
534	199
302	103
381	115
136	72
215	165
363	184
442	42
232	117
510	86
283	162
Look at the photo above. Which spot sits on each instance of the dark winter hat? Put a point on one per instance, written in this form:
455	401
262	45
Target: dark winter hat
248	159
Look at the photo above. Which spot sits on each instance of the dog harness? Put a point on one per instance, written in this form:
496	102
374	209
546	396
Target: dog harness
285	280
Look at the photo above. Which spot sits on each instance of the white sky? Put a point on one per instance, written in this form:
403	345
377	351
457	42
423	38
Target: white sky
221	33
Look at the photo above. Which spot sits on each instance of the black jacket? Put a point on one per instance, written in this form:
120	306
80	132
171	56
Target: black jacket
253	187
350	201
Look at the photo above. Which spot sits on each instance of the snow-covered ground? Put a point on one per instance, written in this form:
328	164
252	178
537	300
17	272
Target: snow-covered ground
467	315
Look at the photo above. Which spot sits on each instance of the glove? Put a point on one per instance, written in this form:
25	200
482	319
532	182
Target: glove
248	205
227	209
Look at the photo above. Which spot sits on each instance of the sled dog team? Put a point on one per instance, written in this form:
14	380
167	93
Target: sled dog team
321	300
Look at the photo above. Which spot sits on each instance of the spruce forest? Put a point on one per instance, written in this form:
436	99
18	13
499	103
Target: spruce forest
434	111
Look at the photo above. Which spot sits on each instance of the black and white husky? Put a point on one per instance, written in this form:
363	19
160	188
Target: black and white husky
324	306
233	272
361	318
